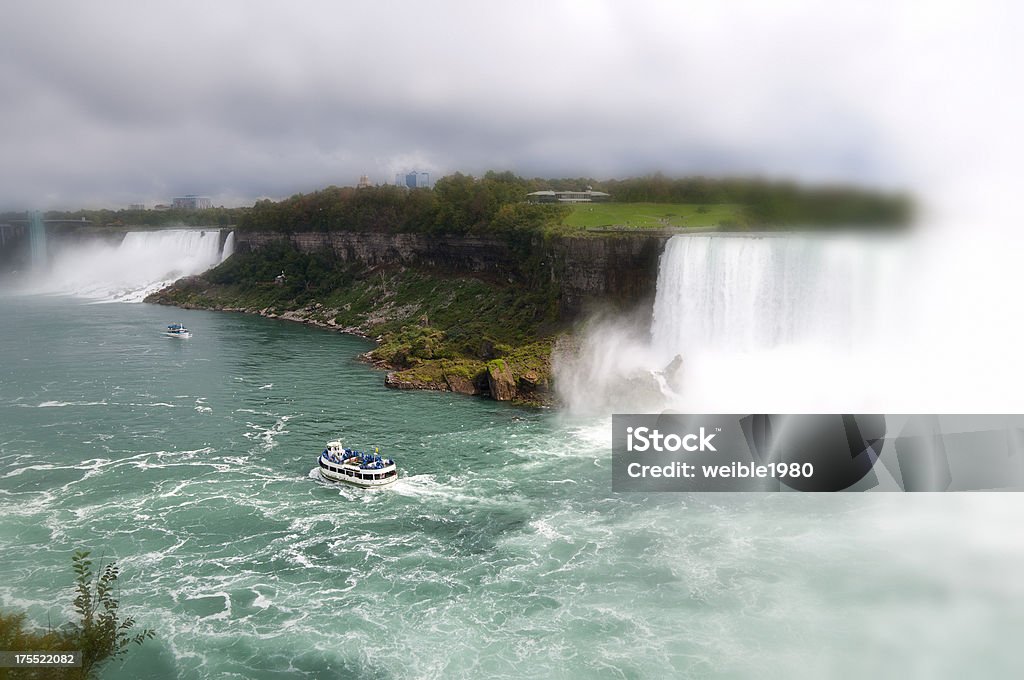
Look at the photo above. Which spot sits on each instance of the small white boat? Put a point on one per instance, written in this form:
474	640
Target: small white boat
366	470
178	330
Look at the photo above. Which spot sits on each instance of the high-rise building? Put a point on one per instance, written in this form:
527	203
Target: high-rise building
413	180
191	202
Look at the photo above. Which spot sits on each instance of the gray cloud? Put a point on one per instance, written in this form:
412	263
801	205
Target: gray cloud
118	102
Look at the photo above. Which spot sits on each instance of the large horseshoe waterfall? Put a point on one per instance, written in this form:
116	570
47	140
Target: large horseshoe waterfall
755	323
742	293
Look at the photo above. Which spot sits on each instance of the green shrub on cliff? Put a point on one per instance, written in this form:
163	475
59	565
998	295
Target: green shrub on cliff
411	346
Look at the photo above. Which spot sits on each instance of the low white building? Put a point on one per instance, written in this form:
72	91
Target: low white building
548	196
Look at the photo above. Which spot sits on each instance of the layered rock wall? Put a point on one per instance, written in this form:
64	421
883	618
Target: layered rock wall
617	268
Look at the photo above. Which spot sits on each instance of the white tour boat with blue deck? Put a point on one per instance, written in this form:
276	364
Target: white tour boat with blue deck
178	330
359	468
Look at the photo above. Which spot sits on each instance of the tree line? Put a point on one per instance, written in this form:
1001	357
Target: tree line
456	204
772	202
221	217
497	202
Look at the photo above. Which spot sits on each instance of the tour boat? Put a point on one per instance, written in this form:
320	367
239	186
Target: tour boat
177	330
366	470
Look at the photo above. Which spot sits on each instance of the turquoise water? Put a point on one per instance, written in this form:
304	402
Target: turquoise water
500	553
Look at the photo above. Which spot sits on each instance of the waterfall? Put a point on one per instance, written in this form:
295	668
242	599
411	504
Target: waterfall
752	323
229	247
781	323
141	263
37	240
798	324
752	293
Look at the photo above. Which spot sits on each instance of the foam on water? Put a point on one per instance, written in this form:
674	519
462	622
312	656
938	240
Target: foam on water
500	552
58	404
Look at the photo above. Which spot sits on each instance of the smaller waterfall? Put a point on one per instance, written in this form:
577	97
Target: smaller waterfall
229	247
37	240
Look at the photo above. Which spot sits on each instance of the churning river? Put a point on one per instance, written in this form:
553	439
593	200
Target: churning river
501	552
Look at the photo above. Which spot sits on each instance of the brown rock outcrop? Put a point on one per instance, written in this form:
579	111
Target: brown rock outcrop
501	381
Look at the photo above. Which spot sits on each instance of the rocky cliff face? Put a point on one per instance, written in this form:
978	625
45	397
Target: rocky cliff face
14	247
617	268
459	253
621	270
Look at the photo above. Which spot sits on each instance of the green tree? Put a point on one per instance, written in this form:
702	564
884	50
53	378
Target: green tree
16	637
100	632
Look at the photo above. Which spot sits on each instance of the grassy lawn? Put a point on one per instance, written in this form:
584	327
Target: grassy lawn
653	215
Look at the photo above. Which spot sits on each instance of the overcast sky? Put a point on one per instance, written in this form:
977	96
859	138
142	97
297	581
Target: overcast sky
109	103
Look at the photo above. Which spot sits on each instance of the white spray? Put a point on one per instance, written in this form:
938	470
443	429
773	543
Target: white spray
815	324
143	262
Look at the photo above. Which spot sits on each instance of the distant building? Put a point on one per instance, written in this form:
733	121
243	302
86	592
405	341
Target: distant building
364	182
161	206
191	202
588	196
413	180
137	206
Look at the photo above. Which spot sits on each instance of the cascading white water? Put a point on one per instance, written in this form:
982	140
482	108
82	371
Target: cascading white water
750	293
738	322
229	247
142	263
792	324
